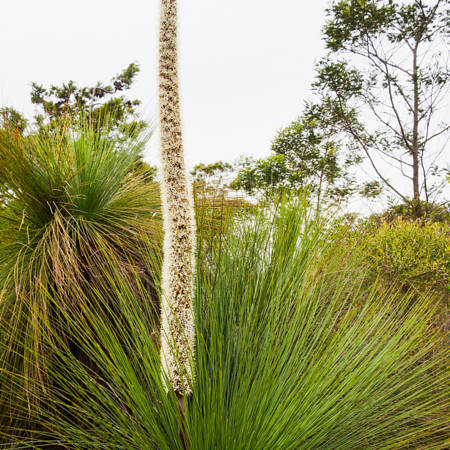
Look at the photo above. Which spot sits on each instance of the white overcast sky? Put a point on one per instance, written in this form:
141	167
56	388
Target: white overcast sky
246	66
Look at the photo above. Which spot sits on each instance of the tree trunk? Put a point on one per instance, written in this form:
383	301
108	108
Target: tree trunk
415	143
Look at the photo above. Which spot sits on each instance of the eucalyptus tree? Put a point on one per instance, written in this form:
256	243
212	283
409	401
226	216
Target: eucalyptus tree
385	84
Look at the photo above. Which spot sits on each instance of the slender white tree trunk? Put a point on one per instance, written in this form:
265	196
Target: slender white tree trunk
177	321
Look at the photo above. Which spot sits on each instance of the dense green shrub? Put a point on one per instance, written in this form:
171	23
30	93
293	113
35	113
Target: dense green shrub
413	253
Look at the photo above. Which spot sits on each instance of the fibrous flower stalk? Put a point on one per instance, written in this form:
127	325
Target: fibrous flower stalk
177	321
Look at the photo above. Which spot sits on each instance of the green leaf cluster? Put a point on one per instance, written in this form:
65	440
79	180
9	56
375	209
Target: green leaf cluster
307	157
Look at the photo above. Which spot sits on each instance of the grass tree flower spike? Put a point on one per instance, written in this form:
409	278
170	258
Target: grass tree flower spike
177	321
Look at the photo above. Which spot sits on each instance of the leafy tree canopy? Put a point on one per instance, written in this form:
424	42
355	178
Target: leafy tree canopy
211	179
97	104
385	86
306	157
202	171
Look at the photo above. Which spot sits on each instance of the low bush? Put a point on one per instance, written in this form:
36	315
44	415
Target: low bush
415	254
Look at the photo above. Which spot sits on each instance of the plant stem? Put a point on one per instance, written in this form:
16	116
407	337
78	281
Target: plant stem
177	322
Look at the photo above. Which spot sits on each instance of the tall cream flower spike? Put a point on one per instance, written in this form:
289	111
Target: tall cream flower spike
177	321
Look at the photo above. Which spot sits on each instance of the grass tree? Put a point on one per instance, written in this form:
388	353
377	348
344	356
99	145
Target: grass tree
70	201
177	321
292	353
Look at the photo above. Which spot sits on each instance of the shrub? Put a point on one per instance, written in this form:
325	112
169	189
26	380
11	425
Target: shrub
413	253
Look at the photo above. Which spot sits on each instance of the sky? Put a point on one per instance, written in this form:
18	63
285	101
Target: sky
246	66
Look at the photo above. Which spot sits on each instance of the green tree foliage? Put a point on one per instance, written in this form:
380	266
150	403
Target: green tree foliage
117	113
11	118
213	175
263	175
85	108
385	84
307	157
412	210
